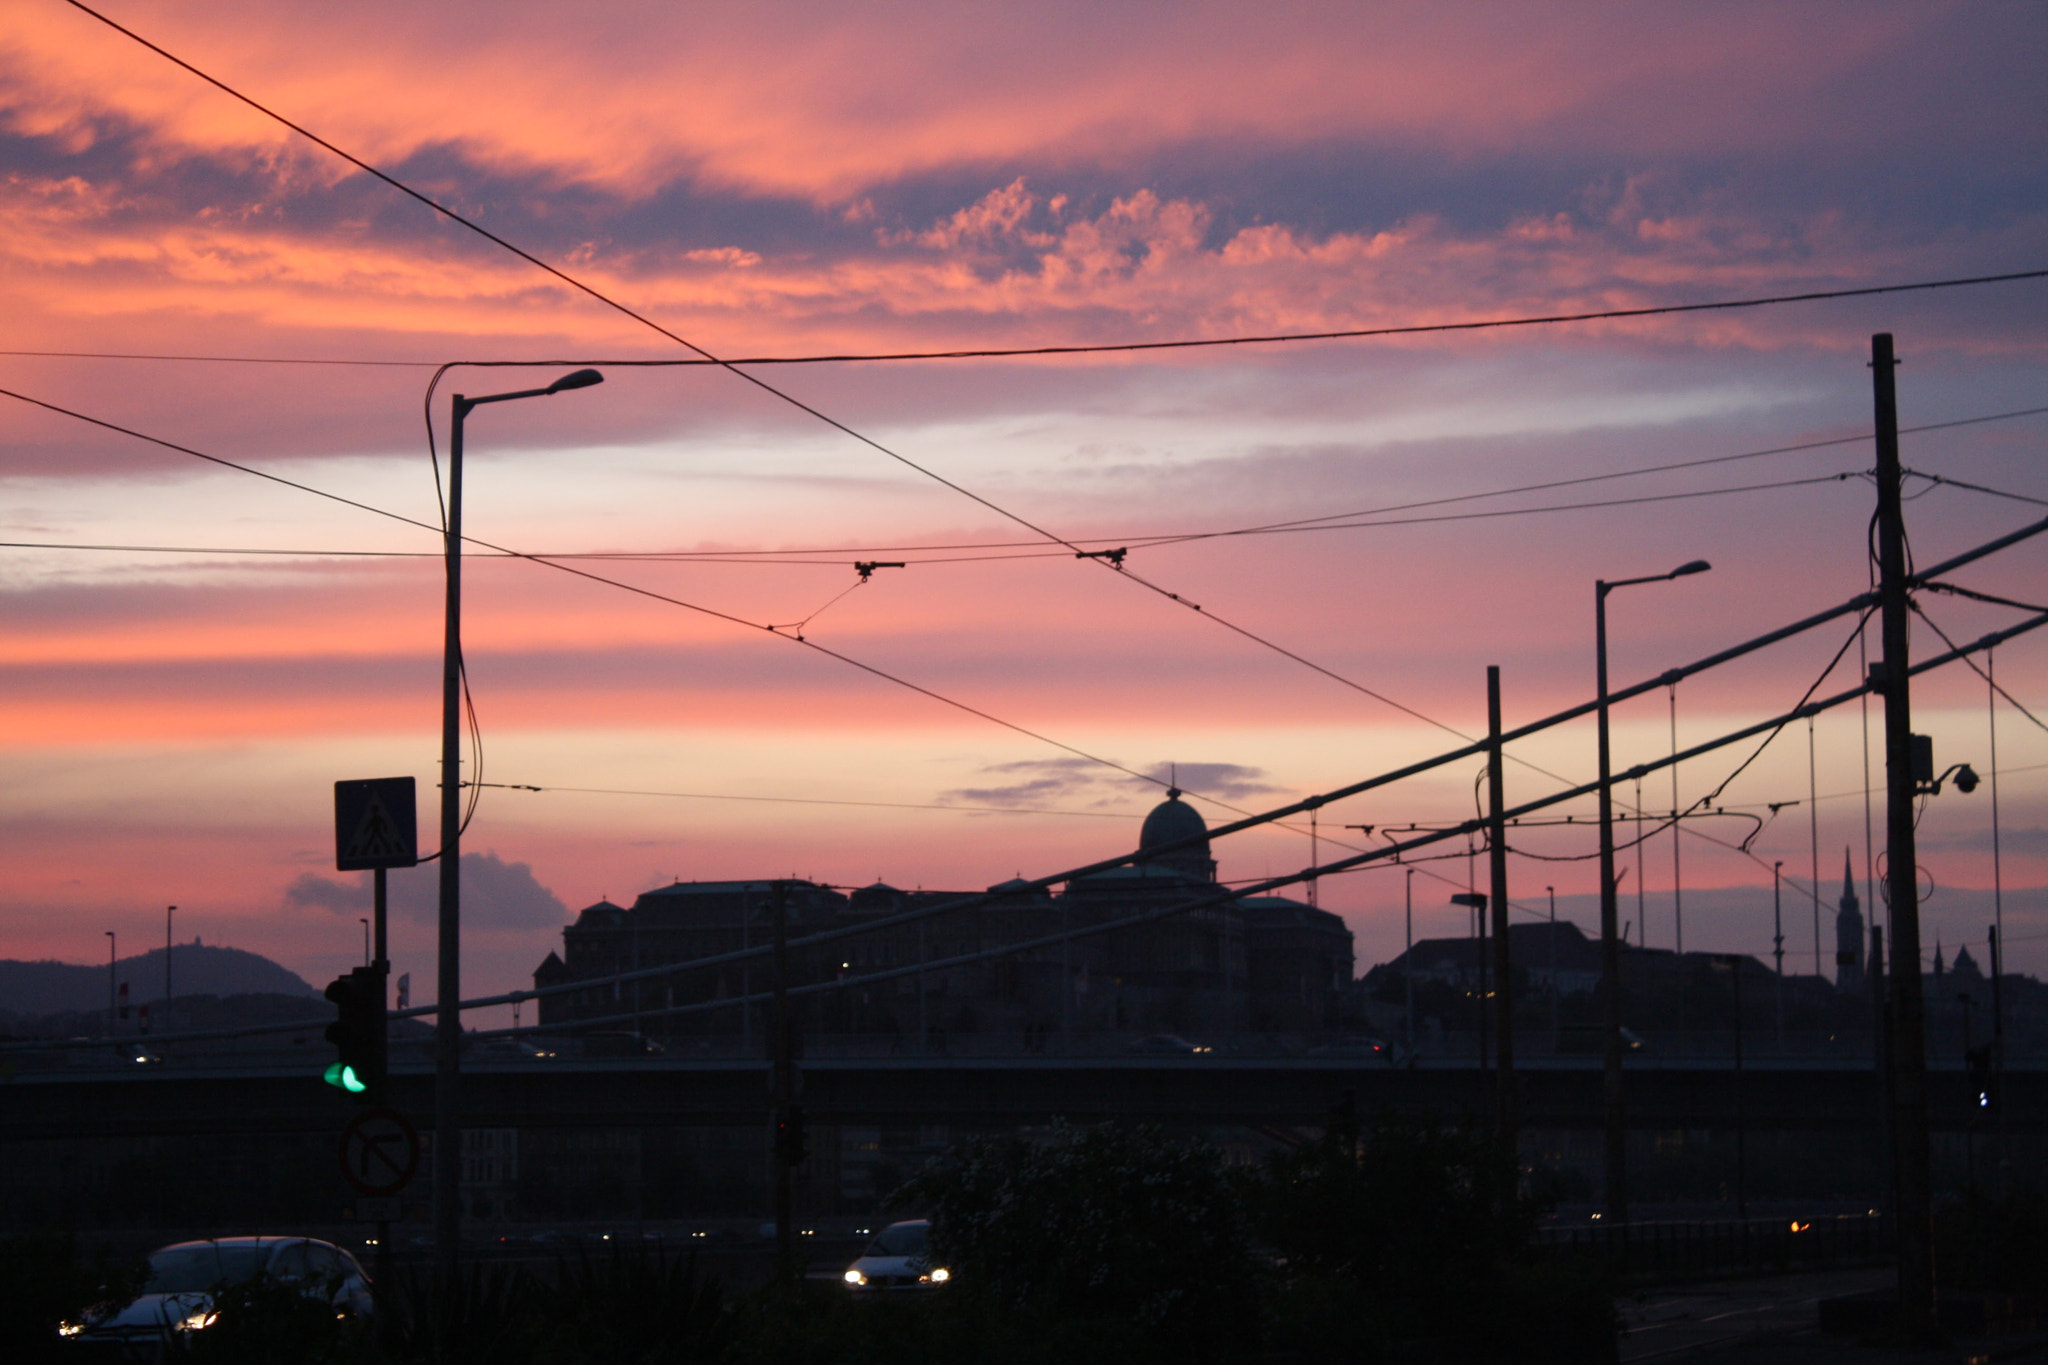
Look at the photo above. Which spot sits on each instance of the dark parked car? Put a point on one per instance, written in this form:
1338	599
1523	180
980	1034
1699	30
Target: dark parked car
178	1297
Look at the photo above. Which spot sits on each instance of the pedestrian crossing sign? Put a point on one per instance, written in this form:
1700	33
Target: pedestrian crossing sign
376	824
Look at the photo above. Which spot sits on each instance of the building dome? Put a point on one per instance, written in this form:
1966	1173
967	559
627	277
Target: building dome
1171	821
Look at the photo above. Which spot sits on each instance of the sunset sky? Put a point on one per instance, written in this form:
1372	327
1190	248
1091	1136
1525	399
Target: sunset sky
788	178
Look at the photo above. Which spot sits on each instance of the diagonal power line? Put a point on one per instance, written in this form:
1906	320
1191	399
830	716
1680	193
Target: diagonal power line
784	396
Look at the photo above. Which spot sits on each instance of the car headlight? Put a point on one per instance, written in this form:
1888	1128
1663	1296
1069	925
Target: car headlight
855	1278
70	1329
198	1321
939	1276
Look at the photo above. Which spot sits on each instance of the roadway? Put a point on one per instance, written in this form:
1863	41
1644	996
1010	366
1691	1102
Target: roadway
978	1093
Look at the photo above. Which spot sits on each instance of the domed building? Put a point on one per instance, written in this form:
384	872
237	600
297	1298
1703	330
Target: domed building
1214	972
1178	838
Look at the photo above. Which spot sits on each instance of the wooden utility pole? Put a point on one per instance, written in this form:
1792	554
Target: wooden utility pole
784	1156
1910	1156
1497	868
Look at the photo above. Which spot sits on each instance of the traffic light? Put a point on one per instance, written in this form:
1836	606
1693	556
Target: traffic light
792	1142
358	1033
1983	1079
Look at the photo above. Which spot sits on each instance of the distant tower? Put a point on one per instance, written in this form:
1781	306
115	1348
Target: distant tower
1848	933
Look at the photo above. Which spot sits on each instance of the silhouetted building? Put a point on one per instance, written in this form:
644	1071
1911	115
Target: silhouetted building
1849	935
1260	964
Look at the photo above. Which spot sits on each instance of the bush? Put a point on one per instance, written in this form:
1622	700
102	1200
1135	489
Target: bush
1999	1245
1128	1244
1416	1241
44	1280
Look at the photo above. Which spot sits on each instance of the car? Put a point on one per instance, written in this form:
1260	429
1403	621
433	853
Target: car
514	1050
1168	1045
897	1259
178	1293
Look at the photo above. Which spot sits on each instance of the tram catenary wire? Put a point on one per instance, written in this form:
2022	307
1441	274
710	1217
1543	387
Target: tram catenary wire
1334	868
1220	897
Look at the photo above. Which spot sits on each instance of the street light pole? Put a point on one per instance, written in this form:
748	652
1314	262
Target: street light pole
1734	964
1408	956
169	910
448	1013
1778	942
1553	969
1610	933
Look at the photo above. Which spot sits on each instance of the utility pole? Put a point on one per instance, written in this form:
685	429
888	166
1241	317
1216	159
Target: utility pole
1497	868
1910	1155
1881	1063
1998	1046
1613	1118
785	1093
113	991
448	972
169	910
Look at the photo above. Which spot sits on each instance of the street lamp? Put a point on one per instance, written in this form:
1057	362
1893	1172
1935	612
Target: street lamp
448	1014
1553	968
1610	941
1778	942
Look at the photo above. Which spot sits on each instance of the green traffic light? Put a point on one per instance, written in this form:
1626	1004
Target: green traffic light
344	1076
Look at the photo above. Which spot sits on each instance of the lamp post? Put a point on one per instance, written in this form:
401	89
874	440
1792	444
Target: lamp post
1408	956
1778	942
1553	969
1610	939
1733	962
448	1013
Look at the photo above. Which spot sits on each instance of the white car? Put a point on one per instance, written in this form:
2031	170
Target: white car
177	1296
897	1259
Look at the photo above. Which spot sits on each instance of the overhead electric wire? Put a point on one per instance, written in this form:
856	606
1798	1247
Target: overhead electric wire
1943	479
223	359
1341	865
755	380
759	555
819	801
637	590
1921	612
731	368
657	557
215	459
1471	826
989	352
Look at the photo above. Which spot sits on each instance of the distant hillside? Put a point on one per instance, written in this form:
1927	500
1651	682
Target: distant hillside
33	988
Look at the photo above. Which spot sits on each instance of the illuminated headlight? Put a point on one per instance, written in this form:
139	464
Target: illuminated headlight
199	1321
70	1329
855	1278
939	1276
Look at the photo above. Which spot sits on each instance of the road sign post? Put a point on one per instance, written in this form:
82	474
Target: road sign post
376	828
